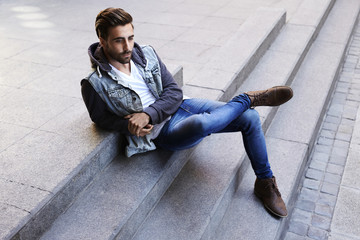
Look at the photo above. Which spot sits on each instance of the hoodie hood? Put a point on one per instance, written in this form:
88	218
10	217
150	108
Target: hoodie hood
98	58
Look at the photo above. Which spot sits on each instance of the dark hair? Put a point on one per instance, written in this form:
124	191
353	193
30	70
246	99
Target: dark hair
111	17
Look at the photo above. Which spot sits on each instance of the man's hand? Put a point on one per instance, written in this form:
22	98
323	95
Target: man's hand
139	124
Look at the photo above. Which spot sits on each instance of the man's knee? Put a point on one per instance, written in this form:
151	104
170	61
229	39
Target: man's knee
250	119
198	127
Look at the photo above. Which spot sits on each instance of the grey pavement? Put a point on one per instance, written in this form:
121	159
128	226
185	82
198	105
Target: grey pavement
46	132
328	203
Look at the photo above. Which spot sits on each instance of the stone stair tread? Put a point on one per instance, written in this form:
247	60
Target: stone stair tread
293	130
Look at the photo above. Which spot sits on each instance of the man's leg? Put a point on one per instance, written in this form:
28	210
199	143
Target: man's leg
198	118
249	125
254	141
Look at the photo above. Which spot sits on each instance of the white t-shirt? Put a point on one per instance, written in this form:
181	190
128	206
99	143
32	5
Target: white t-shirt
137	83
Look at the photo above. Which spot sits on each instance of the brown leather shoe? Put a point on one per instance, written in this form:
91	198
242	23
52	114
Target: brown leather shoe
274	96
268	192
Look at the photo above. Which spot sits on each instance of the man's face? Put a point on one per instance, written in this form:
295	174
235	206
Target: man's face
119	43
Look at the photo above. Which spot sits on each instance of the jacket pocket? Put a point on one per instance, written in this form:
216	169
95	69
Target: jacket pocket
123	99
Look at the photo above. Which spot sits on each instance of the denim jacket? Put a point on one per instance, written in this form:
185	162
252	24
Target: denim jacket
122	100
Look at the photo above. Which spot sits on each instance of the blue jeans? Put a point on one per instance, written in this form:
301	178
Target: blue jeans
198	118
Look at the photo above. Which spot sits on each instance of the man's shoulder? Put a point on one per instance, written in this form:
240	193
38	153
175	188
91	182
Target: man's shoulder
93	76
147	49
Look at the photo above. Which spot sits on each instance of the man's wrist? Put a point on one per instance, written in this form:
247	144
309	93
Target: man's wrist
148	117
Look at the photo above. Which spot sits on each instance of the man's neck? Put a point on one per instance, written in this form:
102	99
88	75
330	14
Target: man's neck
125	68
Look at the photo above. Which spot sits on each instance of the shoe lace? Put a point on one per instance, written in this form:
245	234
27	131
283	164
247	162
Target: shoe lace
273	186
260	98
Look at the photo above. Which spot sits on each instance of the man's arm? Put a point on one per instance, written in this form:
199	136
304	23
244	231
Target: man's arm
170	99
99	113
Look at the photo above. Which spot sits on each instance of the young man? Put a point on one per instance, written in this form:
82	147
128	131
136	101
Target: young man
132	92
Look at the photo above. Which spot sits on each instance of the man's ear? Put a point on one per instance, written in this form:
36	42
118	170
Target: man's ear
102	41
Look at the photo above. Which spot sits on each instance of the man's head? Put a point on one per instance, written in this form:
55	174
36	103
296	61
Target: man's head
111	17
116	34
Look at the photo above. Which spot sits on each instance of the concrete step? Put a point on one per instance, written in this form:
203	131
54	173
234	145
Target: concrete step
291	135
163	167
196	201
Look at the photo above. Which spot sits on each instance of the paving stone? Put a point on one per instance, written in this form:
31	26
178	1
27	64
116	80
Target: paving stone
335	110
330	188
308	194
318	234
311	183
302	216
338	160
321	222
340	151
322	157
353	104
341	144
343	136
319	165
314	174
330	126
350	113
332	178
324	210
335	169
332	119
327	199
323	149
326	141
344	78
347	122
298	228
342	89
339	98
342	85
327	134
306	205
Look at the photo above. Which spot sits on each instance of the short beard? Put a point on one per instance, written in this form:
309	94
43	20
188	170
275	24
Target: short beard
121	59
